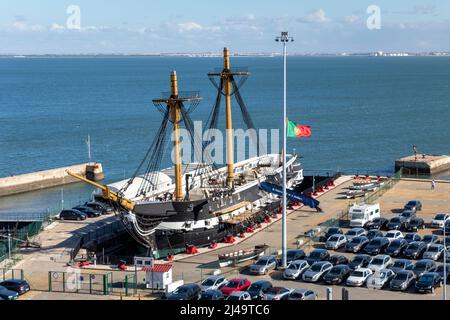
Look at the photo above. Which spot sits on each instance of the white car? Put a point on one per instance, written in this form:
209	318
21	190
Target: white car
379	262
434	252
380	279
440	219
239	296
355	232
295	269
336	241
393	235
358	277
213	283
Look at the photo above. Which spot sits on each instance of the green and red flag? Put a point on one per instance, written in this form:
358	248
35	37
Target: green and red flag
297	130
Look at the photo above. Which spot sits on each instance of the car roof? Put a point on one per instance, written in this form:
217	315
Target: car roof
299	261
190	285
301	290
261	281
13	280
321	263
362	269
215	277
237	279
239	293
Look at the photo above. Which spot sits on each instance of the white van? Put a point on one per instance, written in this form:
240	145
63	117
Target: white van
360	214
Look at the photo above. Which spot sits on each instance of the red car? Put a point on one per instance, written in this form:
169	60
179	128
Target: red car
237	284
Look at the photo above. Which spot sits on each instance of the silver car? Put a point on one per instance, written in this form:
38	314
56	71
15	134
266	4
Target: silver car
316	272
264	265
336	241
302	294
239	296
380	279
358	277
434	252
277	293
213	283
295	269
379	262
355	232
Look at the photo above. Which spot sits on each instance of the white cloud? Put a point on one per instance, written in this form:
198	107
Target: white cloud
318	16
189	26
352	19
23	26
56	27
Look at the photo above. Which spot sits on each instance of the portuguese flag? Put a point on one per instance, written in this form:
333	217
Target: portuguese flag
297	130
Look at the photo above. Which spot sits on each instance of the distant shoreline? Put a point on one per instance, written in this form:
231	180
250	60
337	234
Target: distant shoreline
217	55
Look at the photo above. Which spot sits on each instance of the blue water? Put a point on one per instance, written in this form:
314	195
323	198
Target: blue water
365	112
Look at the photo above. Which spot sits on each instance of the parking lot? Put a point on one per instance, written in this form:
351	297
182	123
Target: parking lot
304	219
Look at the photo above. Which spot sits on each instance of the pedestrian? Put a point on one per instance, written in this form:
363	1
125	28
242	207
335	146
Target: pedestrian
433	184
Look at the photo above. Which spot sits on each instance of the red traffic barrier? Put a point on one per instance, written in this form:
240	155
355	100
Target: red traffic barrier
258	226
242	235
122	267
191	250
249	230
213	245
169	257
230	239
319	189
267	220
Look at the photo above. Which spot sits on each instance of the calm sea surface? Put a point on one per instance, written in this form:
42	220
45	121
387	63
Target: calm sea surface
365	112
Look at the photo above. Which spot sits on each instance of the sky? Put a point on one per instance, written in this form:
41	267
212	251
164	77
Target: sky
175	26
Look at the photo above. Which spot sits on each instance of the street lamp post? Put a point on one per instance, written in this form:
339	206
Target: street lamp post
284	38
445	267
9	246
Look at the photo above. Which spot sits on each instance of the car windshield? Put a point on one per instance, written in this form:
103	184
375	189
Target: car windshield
426	278
411	203
395	244
233	284
206	296
390	235
399	264
333	238
375	242
357	274
440	216
358	259
296	295
420	266
413	246
316	267
233	298
395	220
276	290
262	262
410	236
428	238
434	249
401	276
315	254
291	254
414	221
181	290
335	271
356	240
376	220
377	261
208	282
407	213
351	233
333	230
293	266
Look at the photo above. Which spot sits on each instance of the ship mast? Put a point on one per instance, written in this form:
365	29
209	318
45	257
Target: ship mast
227	77
175	104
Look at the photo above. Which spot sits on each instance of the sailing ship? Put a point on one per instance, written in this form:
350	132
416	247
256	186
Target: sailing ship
197	203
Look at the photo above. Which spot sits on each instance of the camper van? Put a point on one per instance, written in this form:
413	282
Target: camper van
360	214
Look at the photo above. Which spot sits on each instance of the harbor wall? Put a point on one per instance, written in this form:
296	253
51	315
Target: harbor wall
49	178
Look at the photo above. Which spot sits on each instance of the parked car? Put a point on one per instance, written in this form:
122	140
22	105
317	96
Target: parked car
396	247
335	242
239	296
295	269
412	237
103	209
402	264
402	280
317	255
396	223
6	294
332	231
446	229
337	274
440	269
277	293
376	245
91	213
394	235
356	244
316	272
237	284
408	215
428	281
263	265
415	205
72	214
259	288
414	250
439	220
190	291
377	223
415	224
373	233
355	232
17	285
302	294
359	261
358	277
430	239
212	295
380	279
434	252
379	262
422	266
295	254
213	283
338	259
446	242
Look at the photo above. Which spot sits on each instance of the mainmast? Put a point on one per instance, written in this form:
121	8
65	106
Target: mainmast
227	79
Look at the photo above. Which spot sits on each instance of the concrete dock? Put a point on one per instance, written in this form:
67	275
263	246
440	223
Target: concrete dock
423	164
48	178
